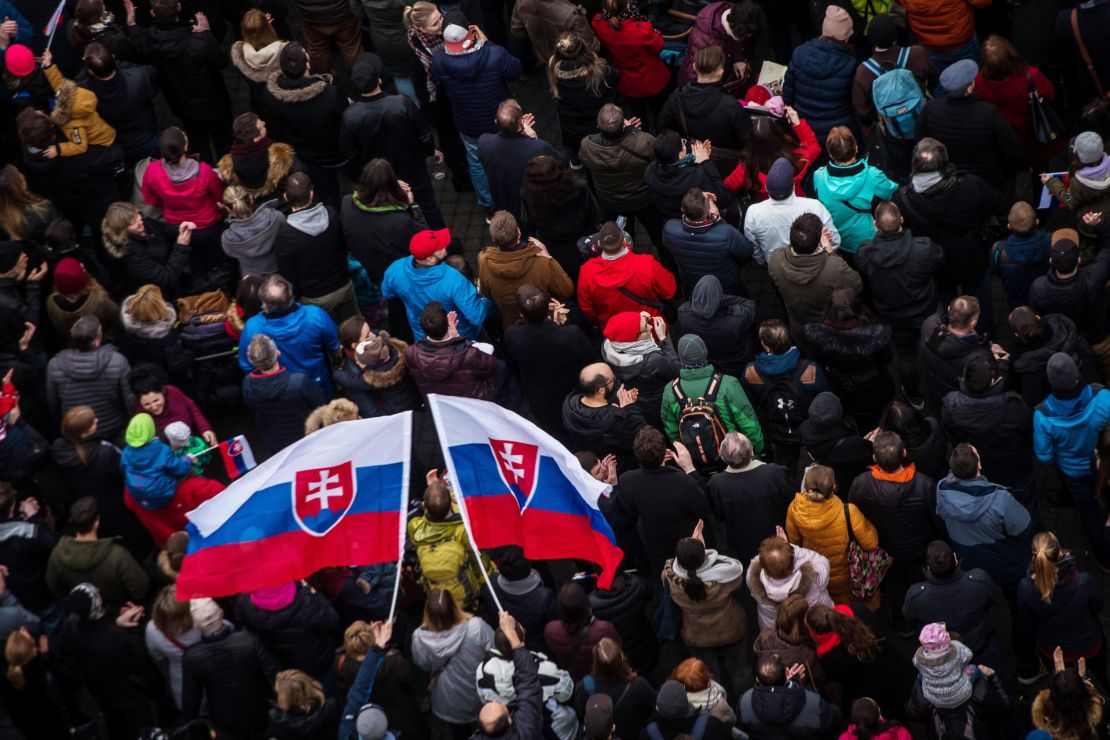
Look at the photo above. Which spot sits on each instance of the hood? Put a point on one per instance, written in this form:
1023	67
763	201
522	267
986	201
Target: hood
824	55
1096	176
438	362
257	65
86	365
140	430
509	265
708	697
716	568
844	182
285	327
269	387
698	99
312	221
1069	412
800	581
72	102
446	643
891	251
802	269
578	418
778	706
856	343
768	364
614	273
628	356
965	500
253	236
147	329
75	555
297	91
1063	336
1029	249
706	296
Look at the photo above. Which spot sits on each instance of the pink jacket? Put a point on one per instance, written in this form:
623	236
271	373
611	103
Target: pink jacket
196	199
894	733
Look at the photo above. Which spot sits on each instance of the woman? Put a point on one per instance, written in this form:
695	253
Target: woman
642	357
256	57
145	333
850	187
250	234
398	686
1038	338
924	439
370	369
300	710
168	633
93	22
704	586
817	519
24	216
733	26
770	139
1057	606
559	210
581	82
624	605
451	644
868	723
703	693
31	691
570	639
1088	188
833	440
152	251
1070	708
633	44
77	294
167	403
633	697
26	85
244	305
855	351
790	640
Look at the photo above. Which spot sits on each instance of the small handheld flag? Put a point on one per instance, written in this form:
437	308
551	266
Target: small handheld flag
237	456
52	24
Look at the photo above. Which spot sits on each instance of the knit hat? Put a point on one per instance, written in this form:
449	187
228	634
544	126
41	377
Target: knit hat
372	724
1088	147
883	32
177	434
956	77
672	703
85	602
935	640
757	95
19	60
1063	255
424	244
140	430
207	616
623	327
457	38
692	351
366	72
837	24
374	350
597	724
10	253
825	410
274	598
70	277
978	374
776	106
780	179
1063	375
945	679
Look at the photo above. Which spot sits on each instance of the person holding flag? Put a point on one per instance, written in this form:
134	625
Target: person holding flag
14	28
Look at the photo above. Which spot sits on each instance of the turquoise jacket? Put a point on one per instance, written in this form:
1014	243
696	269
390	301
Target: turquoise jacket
849	191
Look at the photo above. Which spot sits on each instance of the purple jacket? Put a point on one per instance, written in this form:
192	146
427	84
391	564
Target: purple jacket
709	29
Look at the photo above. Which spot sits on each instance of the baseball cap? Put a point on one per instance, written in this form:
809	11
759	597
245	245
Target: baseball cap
597	722
457	38
424	244
1064	255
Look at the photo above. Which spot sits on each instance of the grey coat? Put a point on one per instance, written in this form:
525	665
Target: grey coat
98	379
457	652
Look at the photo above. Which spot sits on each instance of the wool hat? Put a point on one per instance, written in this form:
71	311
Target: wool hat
85	602
598	720
757	95
1063	255
457	38
780	179
274	598
956	77
945	676
1062	373
978	374
883	31
140	430
374	350
1088	147
623	327
825	410
177	433
371	724
70	277
424	244
366	72
10	252
692	351
776	106
207	616
19	60
672	703
934	639
837	24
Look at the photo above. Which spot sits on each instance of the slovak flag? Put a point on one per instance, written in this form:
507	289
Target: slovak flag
337	497
517	485
55	19
237	456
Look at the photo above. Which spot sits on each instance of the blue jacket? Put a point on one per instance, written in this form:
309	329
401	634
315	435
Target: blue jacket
475	83
1019	260
306	336
416	286
1064	432
819	85
359	695
848	191
152	472
708	249
768	365
988	528
25	32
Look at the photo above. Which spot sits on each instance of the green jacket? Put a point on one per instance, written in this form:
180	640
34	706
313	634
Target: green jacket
102	563
732	404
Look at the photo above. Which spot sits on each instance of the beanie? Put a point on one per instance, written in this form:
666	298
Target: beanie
19	60
374	350
837	24
1063	375
825	410
883	32
623	327
672	703
70	277
945	677
177	434
424	244
140	430
780	179
934	638
371	724
1088	147
692	351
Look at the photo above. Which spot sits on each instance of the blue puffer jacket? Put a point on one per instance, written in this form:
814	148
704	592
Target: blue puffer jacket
988	528
475	82
848	192
152	472
416	287
25	33
819	85
306	337
708	249
1064	432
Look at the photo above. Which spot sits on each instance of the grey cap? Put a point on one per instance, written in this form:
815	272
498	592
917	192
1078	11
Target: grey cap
956	77
1062	373
692	351
671	701
1088	147
371	723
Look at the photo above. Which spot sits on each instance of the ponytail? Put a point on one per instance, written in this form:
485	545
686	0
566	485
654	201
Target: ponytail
690	554
417	14
1046	569
614	8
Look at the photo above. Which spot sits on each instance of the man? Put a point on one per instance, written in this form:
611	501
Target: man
724	323
594	423
526	720
362	720
188	59
597	720
619	280
544	21
676	718
779	706
258	164
749	497
513	262
305	335
946	28
900	271
767	224
443	548
425	277
312	253
26	544
393	128
445	363
474	73
702	244
279	399
324	21
1066	427
505	154
977	136
94	374
807	273
987	527
304	111
125	99
818	81
84	558
670	176
948	341
1082	30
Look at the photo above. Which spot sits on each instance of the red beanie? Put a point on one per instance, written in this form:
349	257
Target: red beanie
757	94
623	327
424	244
19	60
70	277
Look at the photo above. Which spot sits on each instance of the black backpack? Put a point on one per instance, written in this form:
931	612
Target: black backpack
699	424
784	406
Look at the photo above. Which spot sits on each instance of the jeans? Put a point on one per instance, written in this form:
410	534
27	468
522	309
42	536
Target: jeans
425	195
943	59
477	172
1082	491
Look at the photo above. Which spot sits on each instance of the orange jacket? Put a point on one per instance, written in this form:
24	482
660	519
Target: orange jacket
942	25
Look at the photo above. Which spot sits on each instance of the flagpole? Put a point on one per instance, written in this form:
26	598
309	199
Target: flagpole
403	515
57	21
396	589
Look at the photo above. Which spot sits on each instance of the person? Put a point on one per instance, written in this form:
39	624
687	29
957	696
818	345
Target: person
768	224
527	717
619	280
749	497
723	322
582	83
672	174
255	161
819	78
424	277
674	716
251	232
571	638
642	357
256	56
327	22
77	294
167	403
152	251
848	185
496	682
24	215
443	548
26	544
631	697
733	27
453	643
27	690
1022	256
560	210
546	24
623	605
946	28
698	241
778	705
1070	706
593	423
949	341
295	623
76	116
361	717
1065	427
522	593
168	634
125	95
301	709
1088	189
705	694
772	138
632	45
145	334
279	398
1036	340
86	558
92	374
512	262
371	370
444	362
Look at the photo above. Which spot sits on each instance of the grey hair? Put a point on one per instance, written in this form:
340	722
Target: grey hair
262	353
84	333
930	155
269	296
736	450
610	119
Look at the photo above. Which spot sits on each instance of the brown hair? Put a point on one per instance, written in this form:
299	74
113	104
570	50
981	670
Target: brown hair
859	641
297	689
841	145
14	197
547	186
962	311
709	59
504	229
357	640
769	139
1022	219
819	483
441	612
614	8
790	619
1046	568
1026	325
257	29
149	305
171	615
113	227
18	651
998	59
244	129
692	674
76	423
777	557
238	202
610	663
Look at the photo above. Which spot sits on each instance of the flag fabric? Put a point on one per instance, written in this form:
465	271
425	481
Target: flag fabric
337	497
517	485
237	456
55	19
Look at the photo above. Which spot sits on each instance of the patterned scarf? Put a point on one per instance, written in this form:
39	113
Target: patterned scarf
424	45
631	12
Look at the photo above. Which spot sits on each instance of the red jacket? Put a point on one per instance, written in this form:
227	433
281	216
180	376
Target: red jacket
195	200
161	523
600	281
808	151
1011	97
634	50
178	407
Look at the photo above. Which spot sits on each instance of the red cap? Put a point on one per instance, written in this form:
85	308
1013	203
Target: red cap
623	327
424	244
19	60
70	277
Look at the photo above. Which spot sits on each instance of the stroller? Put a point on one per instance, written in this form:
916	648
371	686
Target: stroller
217	379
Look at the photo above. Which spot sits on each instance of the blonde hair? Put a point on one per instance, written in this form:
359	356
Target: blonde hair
572	47
18	651
357	640
14	197
76	423
114	227
417	14
819	483
297	689
257	29
170	615
1046	568
148	305
238	202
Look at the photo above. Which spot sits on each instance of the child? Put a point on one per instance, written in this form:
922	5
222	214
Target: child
184	443
1088	188
151	470
1022	257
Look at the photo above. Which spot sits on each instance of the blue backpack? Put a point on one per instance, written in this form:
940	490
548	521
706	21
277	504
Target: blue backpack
898	98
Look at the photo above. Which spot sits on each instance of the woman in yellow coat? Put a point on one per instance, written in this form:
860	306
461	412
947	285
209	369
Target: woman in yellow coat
815	520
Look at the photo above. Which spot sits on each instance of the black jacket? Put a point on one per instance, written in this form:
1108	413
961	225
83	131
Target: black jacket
712	248
25	547
311	253
155	257
390	127
531	603
981	717
630	714
20	302
1028	362
943	356
625	607
379	236
705	111
234	672
774	712
836	445
305	114
1081	297
903	511
559	230
999	425
297	724
504	157
900	272
549	358
280	403
1071	619
126	102
750	504
380	390
978	137
303	635
23	451
577	105
856	361
603	430
727	328
962	601
650	375
323	12
669	183
671	729
668	503
188	65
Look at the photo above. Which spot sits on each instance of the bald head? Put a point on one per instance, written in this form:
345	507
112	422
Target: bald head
888	219
594	380
494	718
509	115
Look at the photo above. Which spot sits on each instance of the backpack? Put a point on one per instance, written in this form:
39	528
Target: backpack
898	98
699	423
445	564
784	406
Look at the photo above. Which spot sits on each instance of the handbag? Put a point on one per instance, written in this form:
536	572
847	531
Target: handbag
866	569
1047	124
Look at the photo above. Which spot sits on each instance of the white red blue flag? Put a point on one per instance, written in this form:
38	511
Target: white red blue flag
336	497
55	19
237	456
517	485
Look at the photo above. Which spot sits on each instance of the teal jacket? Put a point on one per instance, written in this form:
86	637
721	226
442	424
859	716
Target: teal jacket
848	192
732	404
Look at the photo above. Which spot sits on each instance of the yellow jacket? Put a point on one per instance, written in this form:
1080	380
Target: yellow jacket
75	114
821	527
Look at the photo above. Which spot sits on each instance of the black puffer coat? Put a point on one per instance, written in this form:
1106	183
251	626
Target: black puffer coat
305	114
943	356
234	672
153	257
726	324
297	724
999	425
856	361
1028	362
901	506
303	635
188	65
624	606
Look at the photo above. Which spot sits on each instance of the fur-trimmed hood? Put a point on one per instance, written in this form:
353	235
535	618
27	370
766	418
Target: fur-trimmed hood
297	91
147	330
798	582
1042	721
281	158
165	567
810	578
849	344
72	102
257	65
394	375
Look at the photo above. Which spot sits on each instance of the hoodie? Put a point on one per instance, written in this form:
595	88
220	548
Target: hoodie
1064	431
456	654
718	619
901	275
251	241
190	193
724	322
849	191
806	283
1019	260
102	563
988	528
810	578
151	471
705	111
1029	361
311	251
418	286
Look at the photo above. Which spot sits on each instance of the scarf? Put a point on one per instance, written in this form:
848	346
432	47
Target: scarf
1094	175
690	223
251	148
424	46
926	180
617	256
630	12
825	643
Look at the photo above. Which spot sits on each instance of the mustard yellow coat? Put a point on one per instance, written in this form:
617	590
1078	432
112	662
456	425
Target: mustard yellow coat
820	526
75	114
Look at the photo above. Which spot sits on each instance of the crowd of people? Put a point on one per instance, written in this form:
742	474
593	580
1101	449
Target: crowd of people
835	336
